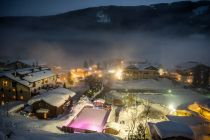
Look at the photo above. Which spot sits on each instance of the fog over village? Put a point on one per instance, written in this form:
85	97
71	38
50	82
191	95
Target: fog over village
127	70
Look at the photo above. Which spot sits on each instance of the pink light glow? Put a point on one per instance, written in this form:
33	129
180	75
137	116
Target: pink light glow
90	119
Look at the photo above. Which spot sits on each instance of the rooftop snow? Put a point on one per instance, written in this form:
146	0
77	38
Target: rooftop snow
55	97
39	75
205	103
29	75
169	129
143	66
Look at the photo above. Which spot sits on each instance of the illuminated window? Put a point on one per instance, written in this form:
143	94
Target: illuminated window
21	97
14	97
3	95
13	90
46	80
5	83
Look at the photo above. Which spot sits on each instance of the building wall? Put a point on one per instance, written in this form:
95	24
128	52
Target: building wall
41	104
53	110
12	90
136	74
201	76
50	81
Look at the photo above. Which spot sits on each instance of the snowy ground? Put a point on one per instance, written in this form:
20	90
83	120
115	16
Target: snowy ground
48	129
160	99
24	127
159	84
178	95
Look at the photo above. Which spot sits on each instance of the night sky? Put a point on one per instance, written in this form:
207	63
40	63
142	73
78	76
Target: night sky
71	46
51	7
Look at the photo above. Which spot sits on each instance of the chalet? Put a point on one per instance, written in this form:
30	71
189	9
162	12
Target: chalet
141	71
20	64
52	103
168	130
201	107
22	84
193	73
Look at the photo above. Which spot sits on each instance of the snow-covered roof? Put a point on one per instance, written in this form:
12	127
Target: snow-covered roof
187	65
142	66
205	103
38	75
167	129
188	120
29	75
55	97
17	79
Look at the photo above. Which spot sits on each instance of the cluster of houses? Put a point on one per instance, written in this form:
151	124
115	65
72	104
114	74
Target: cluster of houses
51	103
192	73
141	70
23	82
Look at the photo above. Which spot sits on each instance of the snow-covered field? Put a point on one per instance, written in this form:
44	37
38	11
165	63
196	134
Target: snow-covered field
25	127
151	84
178	96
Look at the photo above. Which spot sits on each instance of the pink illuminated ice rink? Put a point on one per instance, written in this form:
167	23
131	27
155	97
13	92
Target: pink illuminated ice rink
89	119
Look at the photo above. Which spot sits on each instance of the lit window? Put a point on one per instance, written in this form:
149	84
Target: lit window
21	97
14	97
46	80
13	90
3	95
5	83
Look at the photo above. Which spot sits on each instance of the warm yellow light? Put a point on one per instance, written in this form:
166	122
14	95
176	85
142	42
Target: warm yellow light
171	108
111	71
161	72
179	77
189	80
5	83
100	75
118	74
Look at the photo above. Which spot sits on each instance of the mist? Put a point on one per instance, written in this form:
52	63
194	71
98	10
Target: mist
70	48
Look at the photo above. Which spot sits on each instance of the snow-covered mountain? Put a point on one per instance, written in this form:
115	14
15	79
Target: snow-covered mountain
176	18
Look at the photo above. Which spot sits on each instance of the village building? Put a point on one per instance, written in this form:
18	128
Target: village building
52	103
201	107
22	84
141	71
167	130
193	73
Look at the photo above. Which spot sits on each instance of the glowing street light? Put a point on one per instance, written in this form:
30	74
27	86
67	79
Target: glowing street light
111	71
169	91
171	108
161	72
118	74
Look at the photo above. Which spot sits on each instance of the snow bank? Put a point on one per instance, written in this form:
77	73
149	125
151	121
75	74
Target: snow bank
2	136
